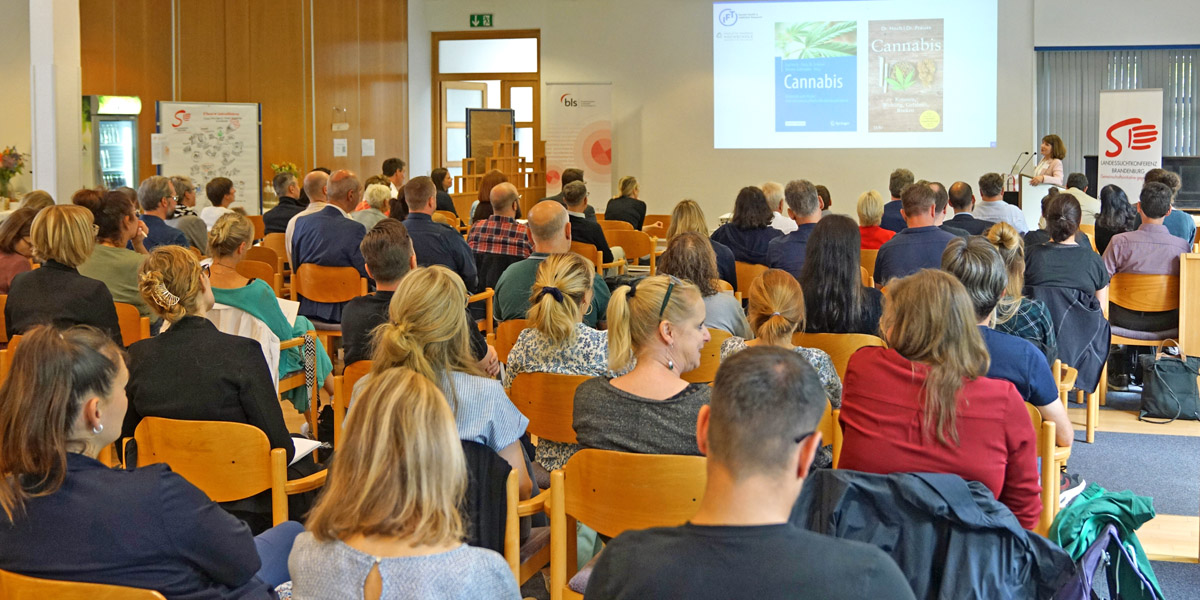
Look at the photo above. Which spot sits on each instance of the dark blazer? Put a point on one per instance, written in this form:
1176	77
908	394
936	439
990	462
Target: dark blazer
59	295
590	211
968	223
748	245
437	244
892	219
161	234
146	528
276	219
962	233
583	230
364	313
630	210
726	263
328	238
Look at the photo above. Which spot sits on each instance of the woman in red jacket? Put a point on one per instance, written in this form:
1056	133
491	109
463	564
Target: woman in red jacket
923	405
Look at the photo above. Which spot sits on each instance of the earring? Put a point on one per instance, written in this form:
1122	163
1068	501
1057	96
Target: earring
98	428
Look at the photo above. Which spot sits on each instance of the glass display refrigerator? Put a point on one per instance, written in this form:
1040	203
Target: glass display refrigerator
110	136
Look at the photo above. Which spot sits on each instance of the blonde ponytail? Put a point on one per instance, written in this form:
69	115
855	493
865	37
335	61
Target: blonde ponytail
634	314
776	307
557	296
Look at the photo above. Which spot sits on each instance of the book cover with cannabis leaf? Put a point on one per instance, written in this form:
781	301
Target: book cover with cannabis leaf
816	73
905	75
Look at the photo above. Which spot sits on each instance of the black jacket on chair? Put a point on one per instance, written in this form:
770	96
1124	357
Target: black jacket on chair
1083	332
485	506
57	294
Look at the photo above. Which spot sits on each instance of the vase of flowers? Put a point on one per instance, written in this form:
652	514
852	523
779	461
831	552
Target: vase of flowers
12	163
286	167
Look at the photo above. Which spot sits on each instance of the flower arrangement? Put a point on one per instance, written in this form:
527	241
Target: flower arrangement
286	167
12	163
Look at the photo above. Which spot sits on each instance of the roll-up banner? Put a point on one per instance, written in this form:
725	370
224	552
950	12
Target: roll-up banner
577	126
1130	138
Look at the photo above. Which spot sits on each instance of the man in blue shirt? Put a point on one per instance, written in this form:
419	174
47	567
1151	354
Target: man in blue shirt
156	196
1179	223
330	238
892	218
918	246
977	264
787	252
434	243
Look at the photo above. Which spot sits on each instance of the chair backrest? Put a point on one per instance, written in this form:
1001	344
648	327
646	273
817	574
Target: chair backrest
710	358
651	219
276	242
327	284
260	228
1151	293
1189	306
506	336
724	286
636	243
228	461
487	296
343	388
548	401
266	255
589	252
134	327
445	217
1044	432
867	280
839	346
1090	232
254	269
866	260
610	225
23	587
659	232
746	274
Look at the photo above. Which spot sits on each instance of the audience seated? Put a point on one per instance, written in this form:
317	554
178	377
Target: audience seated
826	201
1116	215
16	246
569	175
893	220
550	231
396	532
377	198
832	280
314	189
287	190
978	266
1089	207
156	197
1150	250
686	217
221	194
37	200
659	322
776	313
941	206
444	182
870	212
804	206
556	340
918	246
1017	314
993	207
481	208
388	252
330	238
1041	235
962	200
72	518
575	196
759	436
749	232
393	171
1062	261
232	383
228	241
690	257
499	240
435	243
63	238
429	335
1179	223
924	405
111	262
775	198
185	218
627	207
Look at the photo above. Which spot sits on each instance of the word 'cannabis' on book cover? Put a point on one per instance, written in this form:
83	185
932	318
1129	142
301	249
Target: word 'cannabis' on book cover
904	73
816	76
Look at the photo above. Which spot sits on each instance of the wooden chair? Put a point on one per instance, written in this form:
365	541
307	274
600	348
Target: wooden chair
1090	231
596	257
278	243
6	357
134	327
260	228
835	415
538	554
3	324
343	389
652	219
227	461
725	286
328	284
487	296
866	260
1064	378
746	274
613	492
1053	459
611	225
446	217
548	401
831	430
1150	293
506	336
296	380
254	269
658	232
867	280
636	244
267	255
23	587
839	346
1189	295
710	358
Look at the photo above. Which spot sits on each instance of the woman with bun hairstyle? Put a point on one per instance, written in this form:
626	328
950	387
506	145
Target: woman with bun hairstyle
776	313
1062	262
66	516
429	333
656	325
194	372
228	241
111	261
1016	314
16	248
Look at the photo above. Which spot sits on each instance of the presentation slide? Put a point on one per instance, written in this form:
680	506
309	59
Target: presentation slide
854	74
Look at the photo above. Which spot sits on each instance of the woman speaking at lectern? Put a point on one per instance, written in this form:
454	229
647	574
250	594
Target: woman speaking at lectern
1049	169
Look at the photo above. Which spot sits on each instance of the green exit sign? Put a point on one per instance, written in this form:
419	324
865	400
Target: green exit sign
481	20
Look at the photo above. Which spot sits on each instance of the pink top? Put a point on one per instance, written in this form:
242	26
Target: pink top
1051	169
10	266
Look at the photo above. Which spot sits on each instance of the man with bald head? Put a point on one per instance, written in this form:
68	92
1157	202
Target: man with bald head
499	240
435	243
551	233
314	189
330	238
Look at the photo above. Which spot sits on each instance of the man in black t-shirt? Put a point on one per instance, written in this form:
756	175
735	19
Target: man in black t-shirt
759	434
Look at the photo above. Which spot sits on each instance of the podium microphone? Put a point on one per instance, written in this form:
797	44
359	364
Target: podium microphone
1026	162
1013	170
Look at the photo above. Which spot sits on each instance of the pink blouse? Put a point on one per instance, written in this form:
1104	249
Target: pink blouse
10	266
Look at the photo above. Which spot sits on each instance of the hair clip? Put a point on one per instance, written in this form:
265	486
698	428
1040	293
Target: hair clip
632	288
163	296
775	314
553	291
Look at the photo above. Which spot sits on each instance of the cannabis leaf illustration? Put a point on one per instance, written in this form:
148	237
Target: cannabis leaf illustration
903	76
817	39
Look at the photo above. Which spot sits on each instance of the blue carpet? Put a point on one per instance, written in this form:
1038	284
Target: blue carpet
1179	581
1163	467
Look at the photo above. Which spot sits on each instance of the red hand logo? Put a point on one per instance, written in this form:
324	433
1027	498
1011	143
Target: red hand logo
1139	137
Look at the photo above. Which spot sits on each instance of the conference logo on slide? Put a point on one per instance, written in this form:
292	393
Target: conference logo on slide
905	67
816	73
727	17
1138	136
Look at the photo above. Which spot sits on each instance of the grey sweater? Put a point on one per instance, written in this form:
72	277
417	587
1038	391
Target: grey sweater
611	419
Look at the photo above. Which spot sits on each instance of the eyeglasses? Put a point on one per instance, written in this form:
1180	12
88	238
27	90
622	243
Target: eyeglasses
95	229
206	270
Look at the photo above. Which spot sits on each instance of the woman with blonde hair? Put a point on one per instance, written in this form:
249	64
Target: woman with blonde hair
689	256
428	333
627	206
686	217
377	197
1017	315
37	200
228	242
870	215
388	517
924	404
63	237
192	371
776	313
655	325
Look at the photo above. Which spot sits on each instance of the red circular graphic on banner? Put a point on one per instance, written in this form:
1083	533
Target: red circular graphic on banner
552	177
602	151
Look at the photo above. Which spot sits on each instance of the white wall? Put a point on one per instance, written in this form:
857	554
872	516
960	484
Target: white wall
14	72
658	55
1116	23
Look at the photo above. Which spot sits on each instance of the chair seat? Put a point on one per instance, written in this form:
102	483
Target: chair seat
1146	336
325	325
579	582
539	537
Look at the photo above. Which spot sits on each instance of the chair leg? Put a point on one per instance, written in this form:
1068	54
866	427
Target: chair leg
1093	415
1102	387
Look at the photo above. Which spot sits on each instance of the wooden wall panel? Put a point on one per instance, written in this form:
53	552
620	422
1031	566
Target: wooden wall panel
336	72
384	81
97	28
200	51
278	80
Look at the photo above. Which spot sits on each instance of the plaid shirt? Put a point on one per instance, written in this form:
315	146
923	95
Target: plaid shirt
500	235
1032	322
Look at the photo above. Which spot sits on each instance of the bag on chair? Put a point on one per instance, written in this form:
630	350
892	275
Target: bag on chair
1169	387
